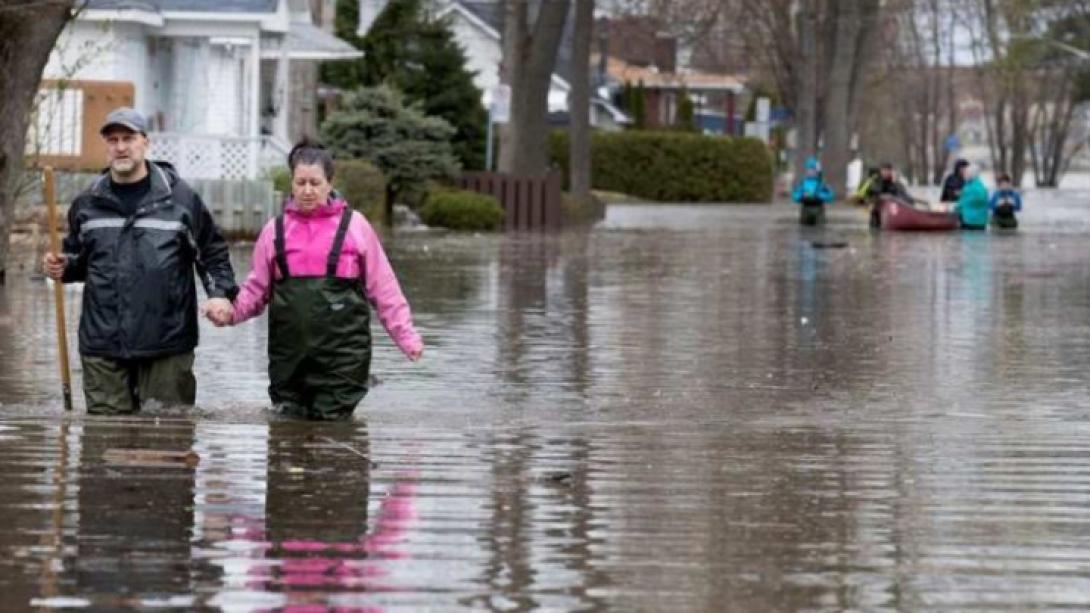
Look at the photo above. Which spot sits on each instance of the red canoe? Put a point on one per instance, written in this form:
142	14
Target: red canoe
898	216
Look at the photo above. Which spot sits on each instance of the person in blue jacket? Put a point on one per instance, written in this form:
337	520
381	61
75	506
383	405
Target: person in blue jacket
1004	203
812	193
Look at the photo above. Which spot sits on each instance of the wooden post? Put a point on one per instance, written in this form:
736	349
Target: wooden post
58	287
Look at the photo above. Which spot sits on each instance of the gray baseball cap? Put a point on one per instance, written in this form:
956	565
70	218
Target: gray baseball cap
126	117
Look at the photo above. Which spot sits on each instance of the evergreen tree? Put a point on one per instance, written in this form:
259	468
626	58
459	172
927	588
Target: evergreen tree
686	112
408	146
421	59
624	100
342	73
639	107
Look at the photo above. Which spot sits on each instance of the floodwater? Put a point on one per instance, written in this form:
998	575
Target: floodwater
687	408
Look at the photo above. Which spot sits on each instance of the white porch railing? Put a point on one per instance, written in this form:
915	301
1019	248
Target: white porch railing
217	157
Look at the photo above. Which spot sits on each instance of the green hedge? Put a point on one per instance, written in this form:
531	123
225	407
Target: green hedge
676	167
361	184
461	210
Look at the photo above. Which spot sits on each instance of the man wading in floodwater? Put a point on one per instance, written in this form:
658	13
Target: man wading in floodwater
134	238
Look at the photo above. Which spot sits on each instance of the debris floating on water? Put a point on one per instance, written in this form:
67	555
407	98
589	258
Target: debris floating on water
151	457
828	244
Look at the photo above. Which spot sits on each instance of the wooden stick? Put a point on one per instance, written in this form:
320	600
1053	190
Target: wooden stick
58	287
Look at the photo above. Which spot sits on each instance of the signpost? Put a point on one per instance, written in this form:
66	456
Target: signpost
499	111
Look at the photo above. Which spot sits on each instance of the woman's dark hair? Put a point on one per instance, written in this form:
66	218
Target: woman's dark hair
1003	177
311	153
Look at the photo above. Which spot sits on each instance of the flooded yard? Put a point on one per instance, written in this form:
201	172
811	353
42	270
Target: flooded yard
688	408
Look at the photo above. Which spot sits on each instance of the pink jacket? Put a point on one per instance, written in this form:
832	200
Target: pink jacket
308	238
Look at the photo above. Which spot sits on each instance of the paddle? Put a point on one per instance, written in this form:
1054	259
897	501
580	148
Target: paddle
58	287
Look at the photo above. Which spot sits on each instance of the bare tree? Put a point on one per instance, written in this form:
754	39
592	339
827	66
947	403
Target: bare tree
1061	85
1004	60
580	101
817	53
921	65
28	31
529	59
806	91
1050	129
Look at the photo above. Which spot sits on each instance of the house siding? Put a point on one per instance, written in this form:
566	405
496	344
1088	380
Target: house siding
100	52
483	57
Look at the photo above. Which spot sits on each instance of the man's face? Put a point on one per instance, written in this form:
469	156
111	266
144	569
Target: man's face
887	173
125	150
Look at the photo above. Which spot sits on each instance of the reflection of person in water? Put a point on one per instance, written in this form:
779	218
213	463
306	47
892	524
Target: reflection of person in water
135	512
316	510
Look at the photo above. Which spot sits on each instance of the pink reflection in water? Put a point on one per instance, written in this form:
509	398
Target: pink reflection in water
354	565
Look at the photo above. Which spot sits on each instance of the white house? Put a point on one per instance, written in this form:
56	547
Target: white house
214	76
476	27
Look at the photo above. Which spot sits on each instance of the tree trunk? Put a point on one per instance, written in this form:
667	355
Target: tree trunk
838	124
850	42
28	32
806	90
388	206
529	59
1019	131
580	101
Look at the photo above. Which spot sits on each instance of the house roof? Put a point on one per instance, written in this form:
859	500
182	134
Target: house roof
306	41
621	71
188	6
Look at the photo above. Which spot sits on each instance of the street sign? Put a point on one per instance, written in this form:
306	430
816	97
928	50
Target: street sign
501	104
763	108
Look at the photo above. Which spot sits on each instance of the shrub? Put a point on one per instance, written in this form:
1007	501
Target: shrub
585	212
363	186
462	210
281	180
676	167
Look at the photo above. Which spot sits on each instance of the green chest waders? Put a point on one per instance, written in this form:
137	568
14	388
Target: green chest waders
319	338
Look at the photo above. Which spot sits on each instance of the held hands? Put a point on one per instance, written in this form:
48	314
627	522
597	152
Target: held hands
219	311
53	265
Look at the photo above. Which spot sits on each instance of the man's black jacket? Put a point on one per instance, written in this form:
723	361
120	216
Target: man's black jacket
139	297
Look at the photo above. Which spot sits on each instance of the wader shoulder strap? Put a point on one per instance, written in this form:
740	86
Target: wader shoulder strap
338	243
278	244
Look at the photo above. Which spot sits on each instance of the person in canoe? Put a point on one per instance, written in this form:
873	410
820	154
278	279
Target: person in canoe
952	186
887	184
972	205
812	194
1004	203
861	195
319	266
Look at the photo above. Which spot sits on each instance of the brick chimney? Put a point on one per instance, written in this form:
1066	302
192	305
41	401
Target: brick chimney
666	53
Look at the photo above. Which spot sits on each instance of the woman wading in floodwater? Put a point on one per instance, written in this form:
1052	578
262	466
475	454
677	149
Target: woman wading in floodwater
317	266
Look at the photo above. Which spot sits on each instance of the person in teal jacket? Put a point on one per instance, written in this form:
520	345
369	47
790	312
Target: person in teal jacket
812	193
972	206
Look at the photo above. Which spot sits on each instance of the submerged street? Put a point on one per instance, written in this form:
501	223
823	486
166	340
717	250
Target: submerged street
687	408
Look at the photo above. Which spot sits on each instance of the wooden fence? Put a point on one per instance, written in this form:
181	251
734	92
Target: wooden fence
240	206
529	203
